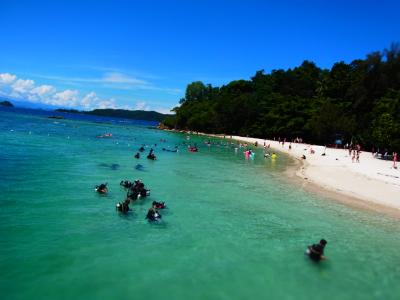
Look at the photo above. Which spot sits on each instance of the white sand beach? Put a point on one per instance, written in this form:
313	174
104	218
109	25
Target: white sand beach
371	180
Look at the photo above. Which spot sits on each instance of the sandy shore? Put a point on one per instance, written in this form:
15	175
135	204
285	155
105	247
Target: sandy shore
372	181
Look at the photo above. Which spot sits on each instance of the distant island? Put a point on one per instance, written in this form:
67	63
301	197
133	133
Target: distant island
6	104
121	113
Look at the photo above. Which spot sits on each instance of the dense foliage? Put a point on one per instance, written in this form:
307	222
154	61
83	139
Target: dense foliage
356	102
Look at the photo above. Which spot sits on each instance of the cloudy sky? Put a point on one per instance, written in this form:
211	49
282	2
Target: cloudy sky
142	54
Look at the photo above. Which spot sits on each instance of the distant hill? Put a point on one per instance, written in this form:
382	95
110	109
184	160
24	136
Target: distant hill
129	114
121	113
71	111
6	103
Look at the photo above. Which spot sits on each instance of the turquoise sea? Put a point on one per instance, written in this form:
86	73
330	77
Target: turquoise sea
234	229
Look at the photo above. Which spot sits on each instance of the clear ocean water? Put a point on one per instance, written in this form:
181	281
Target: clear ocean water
234	229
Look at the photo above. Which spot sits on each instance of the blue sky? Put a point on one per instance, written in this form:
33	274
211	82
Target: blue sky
142	54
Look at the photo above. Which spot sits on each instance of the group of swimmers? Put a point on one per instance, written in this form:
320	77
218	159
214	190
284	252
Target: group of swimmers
250	154
150	156
136	190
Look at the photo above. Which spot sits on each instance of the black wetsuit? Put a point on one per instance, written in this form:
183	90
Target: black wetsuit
151	215
316	251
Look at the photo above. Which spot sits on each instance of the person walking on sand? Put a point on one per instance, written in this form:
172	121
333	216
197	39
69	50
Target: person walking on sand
354	156
358	156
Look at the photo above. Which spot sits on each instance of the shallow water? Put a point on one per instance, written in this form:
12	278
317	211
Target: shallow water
234	229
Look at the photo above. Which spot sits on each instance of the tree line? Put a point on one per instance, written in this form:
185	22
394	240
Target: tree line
357	102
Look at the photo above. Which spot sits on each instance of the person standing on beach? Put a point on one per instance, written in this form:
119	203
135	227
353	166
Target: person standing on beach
395	160
354	155
358	156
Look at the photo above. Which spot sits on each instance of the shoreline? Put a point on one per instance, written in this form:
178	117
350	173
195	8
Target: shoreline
293	175
372	184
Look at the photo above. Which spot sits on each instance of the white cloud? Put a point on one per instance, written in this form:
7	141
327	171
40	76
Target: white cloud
115	77
106	104
25	89
114	80
88	101
43	90
7	78
23	86
164	110
141	105
67	98
92	101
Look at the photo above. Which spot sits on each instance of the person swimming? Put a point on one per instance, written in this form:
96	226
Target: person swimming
193	148
316	251
153	215
123	206
137	190
141	149
102	188
126	184
159	205
273	156
151	156
137	155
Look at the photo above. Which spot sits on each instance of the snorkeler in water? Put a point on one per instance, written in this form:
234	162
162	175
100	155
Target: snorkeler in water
316	251
153	215
102	188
